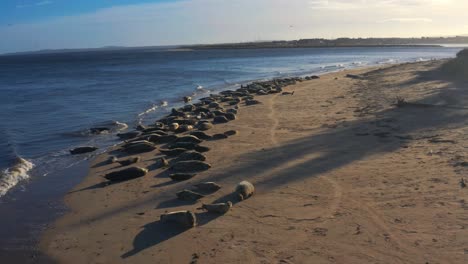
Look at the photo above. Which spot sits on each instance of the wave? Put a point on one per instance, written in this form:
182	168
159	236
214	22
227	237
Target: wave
388	61
101	128
339	66
13	175
149	110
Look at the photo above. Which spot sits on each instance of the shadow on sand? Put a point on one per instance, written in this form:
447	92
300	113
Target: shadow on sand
153	234
385	130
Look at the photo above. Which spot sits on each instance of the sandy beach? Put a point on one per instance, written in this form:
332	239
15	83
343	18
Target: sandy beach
342	175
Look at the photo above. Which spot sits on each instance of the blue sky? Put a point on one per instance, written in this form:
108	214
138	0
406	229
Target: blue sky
14	11
55	24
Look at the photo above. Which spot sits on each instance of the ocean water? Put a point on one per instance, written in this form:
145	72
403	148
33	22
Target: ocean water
48	102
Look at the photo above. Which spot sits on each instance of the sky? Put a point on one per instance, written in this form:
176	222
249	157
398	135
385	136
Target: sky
55	24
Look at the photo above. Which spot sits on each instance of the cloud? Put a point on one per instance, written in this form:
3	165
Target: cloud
214	21
366	4
41	3
335	4
406	20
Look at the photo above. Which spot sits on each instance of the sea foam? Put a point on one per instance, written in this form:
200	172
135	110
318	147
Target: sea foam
13	175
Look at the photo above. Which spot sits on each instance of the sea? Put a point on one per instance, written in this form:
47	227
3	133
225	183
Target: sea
50	103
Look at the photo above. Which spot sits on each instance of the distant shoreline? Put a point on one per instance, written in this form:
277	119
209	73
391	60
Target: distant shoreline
207	47
240	46
301	43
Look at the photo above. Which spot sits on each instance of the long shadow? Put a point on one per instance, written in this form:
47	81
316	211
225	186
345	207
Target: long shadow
311	156
203	218
174	202
153	234
93	187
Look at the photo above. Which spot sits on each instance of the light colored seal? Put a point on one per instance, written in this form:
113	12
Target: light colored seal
174	126
244	190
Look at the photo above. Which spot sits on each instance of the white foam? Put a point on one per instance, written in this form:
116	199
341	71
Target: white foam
120	125
149	110
13	175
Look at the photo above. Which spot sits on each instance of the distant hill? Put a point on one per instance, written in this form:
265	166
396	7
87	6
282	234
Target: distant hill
302	43
340	42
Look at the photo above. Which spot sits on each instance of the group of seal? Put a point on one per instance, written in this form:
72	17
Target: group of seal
188	219
178	138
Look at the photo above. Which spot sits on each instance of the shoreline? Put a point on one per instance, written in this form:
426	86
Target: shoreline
305	153
27	213
59	197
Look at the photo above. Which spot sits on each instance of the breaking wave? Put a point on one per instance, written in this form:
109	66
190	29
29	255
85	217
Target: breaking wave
13	175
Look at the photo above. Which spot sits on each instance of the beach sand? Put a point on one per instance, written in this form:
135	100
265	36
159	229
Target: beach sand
341	174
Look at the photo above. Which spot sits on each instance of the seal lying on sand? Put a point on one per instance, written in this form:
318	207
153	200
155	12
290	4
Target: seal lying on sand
220	208
161	163
184	218
244	190
138	147
126	174
200	135
182	176
129	161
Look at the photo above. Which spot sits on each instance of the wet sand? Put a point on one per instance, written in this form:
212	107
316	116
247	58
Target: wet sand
26	211
342	175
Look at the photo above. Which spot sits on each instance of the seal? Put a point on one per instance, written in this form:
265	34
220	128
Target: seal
200	135
185	218
173	126
82	150
230	116
181	176
161	163
220	208
205	126
187	99
111	159
220	119
126	174
139	147
199	148
244	190
129	161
